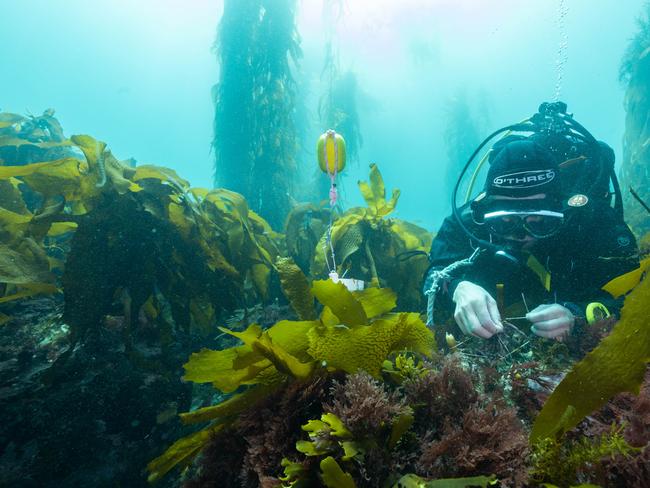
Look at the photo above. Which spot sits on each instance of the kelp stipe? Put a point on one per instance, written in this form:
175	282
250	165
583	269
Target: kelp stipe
255	138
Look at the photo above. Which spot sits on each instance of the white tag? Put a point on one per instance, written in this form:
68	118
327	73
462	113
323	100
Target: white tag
350	283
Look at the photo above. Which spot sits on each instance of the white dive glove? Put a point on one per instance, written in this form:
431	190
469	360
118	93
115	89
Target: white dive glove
476	311
552	321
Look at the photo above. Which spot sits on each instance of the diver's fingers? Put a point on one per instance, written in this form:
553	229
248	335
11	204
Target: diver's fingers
474	326
484	319
493	310
546	312
558	333
561	337
460	320
554	323
463	322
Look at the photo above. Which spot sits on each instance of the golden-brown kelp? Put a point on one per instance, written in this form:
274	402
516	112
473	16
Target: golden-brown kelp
380	250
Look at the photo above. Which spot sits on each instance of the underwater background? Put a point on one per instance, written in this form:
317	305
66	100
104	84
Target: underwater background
140	76
167	234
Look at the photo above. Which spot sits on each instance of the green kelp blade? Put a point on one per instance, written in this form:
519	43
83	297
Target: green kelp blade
390	205
374	193
51	178
283	361
350	449
340	301
624	283
415	336
348	233
180	452
226	369
334	476
291	336
248	336
165	175
376	301
31	289
413	481
367	194
338	428
618	364
233	406
292	470
91	147
377	183
401	425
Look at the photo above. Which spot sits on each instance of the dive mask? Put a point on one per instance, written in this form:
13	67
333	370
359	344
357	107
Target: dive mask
539	223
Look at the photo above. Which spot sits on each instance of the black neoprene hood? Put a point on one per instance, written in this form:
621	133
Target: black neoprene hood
522	169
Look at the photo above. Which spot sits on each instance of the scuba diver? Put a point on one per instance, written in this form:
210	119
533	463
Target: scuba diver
547	232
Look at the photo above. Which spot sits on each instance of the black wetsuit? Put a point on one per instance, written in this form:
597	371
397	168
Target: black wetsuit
592	248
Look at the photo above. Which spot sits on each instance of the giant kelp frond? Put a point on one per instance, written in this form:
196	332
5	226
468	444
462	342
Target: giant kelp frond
255	139
635	76
618	364
338	106
637	45
463	125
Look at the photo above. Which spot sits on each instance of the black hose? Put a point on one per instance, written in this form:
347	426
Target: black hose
521	127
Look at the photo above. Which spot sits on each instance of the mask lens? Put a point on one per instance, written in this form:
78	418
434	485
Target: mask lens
504	225
542	225
536	225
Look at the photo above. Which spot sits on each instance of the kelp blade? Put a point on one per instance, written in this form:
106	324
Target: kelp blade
413	481
180	452
618	364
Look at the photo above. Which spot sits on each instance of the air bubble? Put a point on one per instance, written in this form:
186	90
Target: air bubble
562	50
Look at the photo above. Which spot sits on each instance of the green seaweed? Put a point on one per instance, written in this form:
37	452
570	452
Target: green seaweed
561	462
354	332
380	250
333	476
413	481
618	364
59	215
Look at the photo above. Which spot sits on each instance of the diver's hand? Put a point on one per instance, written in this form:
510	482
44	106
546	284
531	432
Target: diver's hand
476	311
552	321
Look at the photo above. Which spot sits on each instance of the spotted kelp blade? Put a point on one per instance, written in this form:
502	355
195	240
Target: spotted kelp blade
295	287
366	347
